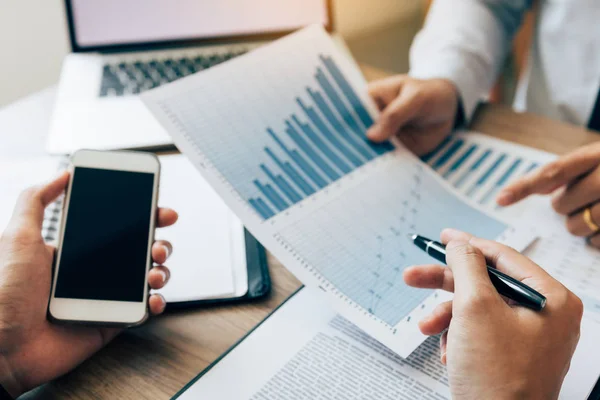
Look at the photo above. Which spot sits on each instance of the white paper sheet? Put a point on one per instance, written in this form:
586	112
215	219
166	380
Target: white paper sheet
567	258
207	239
304	351
314	354
478	166
280	135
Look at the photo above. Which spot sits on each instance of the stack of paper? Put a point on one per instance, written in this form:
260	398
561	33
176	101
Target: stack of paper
209	259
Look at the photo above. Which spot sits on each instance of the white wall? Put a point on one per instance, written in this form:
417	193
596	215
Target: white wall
357	18
33	41
33	37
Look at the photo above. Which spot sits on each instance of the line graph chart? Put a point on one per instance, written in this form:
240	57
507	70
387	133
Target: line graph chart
392	247
366	247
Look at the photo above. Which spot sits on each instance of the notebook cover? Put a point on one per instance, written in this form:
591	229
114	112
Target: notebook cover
259	279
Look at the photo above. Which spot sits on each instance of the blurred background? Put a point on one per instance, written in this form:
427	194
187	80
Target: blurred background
33	38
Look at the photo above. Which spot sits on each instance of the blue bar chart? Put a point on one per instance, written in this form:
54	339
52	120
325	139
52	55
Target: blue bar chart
476	169
320	144
452	149
494	189
483	179
460	161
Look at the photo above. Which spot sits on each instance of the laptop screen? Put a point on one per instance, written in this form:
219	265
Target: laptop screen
101	23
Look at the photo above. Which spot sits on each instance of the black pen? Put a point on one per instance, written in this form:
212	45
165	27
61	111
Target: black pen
506	285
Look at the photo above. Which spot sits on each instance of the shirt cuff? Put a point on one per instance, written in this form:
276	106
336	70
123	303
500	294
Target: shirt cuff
460	121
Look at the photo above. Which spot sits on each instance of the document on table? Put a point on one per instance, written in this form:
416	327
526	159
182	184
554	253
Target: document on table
280	134
479	166
209	255
316	354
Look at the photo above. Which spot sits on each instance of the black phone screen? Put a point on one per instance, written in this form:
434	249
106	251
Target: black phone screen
105	244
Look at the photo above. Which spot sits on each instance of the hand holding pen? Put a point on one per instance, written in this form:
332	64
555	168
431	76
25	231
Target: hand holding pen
490	346
506	285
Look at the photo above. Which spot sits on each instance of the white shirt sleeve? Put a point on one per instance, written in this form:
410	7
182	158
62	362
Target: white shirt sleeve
466	42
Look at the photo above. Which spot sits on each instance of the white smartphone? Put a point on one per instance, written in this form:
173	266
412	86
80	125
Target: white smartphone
105	239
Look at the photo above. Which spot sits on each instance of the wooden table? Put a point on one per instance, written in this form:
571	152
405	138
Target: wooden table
157	359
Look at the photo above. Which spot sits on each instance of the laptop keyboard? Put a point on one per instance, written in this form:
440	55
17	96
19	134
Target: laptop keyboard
129	78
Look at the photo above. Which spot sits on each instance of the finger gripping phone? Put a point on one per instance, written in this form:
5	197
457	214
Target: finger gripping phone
105	239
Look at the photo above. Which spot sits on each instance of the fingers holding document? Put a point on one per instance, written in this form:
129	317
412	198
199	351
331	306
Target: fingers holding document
420	112
574	181
567	170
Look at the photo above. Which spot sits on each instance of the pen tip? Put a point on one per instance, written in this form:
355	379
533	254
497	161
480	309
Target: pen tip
411	236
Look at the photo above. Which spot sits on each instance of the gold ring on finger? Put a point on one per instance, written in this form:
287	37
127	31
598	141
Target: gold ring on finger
589	220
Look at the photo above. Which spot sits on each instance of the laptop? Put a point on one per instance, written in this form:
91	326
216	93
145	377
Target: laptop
121	48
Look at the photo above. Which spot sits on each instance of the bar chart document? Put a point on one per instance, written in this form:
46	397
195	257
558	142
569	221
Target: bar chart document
479	166
280	133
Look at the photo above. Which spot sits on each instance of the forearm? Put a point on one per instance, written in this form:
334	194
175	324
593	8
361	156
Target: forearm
520	388
466	42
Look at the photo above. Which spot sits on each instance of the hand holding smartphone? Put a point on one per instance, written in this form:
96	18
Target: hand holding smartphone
106	236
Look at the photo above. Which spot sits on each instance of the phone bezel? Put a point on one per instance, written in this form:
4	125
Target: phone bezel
105	312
